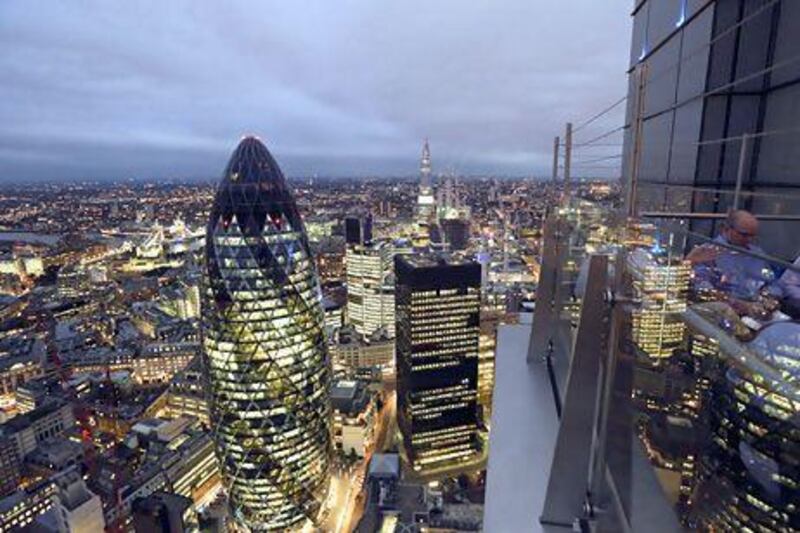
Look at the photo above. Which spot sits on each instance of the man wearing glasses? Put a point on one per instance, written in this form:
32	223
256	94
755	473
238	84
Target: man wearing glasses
739	275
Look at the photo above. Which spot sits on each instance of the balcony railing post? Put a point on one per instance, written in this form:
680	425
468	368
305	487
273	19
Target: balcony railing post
567	164
569	475
743	152
556	145
608	366
543	313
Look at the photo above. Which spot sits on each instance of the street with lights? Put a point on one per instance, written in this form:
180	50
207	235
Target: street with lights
344	503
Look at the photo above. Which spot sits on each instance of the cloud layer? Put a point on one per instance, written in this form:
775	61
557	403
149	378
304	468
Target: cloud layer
166	89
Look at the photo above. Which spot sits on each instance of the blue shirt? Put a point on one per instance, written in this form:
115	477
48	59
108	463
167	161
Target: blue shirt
790	285
740	275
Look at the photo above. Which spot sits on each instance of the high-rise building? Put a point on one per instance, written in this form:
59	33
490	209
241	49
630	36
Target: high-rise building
358	229
712	73
438	330
426	203
186	395
456	233
661	285
370	290
265	356
447	200
333	314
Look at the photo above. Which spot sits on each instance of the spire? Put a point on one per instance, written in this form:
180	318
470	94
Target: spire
425	166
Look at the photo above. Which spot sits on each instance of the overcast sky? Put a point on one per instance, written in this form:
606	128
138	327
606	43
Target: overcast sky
167	88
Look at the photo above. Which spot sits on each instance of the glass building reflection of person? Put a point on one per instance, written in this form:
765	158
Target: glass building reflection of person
749	467
745	281
789	285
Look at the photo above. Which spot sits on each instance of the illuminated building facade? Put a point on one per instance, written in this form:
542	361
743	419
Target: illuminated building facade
334	315
438	330
16	370
159	362
186	395
354	414
370	294
330	266
265	357
20	509
661	286
488	342
29	430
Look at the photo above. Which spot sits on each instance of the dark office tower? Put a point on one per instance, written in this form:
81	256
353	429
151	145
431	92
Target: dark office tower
438	330
358	229
715	71
456	232
264	350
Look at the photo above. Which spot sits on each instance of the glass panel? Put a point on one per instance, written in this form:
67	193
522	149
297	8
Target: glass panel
704	402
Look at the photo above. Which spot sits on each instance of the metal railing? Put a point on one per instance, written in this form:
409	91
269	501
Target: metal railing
666	403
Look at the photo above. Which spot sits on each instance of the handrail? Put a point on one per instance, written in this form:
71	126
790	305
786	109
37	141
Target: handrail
788	265
711	216
739	354
617	488
766	257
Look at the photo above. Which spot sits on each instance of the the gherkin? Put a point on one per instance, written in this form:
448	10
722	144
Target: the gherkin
266	362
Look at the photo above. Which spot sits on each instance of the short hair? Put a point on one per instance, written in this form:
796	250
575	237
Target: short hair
736	215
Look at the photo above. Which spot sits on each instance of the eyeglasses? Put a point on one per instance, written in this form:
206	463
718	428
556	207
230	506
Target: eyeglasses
744	233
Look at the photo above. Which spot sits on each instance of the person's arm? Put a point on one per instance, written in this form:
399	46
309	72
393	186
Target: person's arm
705	253
789	284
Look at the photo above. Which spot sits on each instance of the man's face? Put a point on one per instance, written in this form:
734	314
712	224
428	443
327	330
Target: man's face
743	232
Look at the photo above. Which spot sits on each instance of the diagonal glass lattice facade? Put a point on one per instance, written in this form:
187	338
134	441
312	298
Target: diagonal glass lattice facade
266	362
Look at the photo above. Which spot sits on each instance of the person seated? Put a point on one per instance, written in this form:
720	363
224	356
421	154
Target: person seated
789	285
741	277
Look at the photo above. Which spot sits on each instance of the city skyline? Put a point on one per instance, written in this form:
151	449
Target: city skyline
497	294
337	91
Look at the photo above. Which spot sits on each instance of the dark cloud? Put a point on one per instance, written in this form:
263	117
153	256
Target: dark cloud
152	89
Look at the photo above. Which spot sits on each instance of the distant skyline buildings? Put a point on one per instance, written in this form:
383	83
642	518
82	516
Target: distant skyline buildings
351	349
266	362
370	287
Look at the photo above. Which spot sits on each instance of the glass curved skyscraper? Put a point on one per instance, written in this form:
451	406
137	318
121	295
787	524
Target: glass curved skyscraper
265	356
